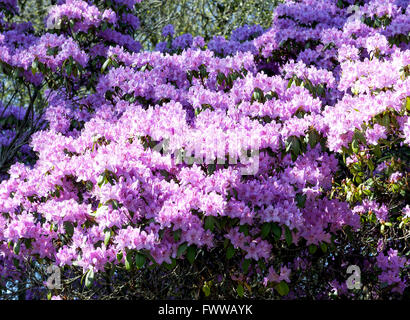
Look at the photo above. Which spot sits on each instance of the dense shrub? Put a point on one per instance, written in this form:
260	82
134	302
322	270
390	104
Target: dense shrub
262	165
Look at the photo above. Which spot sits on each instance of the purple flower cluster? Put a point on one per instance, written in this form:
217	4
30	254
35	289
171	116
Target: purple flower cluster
103	189
391	266
240	41
10	5
38	49
84	14
168	30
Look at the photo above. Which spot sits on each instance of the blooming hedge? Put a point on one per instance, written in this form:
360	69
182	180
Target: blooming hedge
273	159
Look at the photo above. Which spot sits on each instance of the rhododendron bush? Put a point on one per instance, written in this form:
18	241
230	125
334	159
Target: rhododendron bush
259	166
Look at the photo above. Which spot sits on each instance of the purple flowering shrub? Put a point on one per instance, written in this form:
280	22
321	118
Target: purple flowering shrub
241	41
259	166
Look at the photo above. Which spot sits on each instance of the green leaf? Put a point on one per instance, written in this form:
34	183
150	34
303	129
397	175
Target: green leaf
244	229
355	146
230	251
290	82
106	64
107	237
293	145
258	95
89	278
300	200
377	151
288	236
367	192
313	139
52	51
207	290
220	78
69	228
151	258
102	180
69	69
27	243
139	260
282	288
277	231
226	242
245	265
128	260
240	290
191	253
171	265
211	168
75	71
115	204
16	262
202	71
265	230
262	265
288	144
323	246
360	137
209	223
312	249
181	249
16	247
370	165
34	67
349	233
386	120
177	235
235	193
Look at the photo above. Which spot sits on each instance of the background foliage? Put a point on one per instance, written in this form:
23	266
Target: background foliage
365	174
